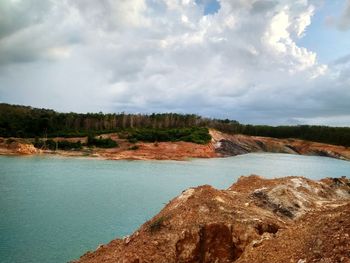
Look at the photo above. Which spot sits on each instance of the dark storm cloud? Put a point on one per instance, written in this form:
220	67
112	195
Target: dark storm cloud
17	15
263	6
34	30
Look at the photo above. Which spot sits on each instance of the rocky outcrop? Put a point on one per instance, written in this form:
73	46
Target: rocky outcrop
248	222
231	145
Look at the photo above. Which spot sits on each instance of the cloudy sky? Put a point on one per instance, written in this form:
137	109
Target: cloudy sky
256	61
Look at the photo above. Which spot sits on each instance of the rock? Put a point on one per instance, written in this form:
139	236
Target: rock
231	148
235	144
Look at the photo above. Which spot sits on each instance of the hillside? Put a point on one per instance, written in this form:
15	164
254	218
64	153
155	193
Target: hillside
119	147
231	145
220	145
290	219
27	122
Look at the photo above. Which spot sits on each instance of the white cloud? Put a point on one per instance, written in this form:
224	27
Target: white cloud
242	62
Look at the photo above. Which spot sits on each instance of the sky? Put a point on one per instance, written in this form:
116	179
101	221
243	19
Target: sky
256	61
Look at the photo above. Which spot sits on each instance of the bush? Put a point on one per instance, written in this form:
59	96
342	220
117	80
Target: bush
66	145
134	147
101	143
59	145
196	135
132	140
9	141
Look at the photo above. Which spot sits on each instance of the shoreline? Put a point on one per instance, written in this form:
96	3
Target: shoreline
221	145
187	159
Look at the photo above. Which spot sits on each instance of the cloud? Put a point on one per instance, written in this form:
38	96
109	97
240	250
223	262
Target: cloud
263	6
36	30
241	62
16	15
344	22
342	60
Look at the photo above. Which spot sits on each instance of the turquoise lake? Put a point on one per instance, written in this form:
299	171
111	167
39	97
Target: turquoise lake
54	209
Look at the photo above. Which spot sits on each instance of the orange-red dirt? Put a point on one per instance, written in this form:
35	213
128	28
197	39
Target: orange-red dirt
222	145
290	219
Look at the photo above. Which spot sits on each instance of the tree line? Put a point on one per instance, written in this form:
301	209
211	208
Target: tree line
24	121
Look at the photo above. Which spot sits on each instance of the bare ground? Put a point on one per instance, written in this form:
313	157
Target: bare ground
290	219
222	145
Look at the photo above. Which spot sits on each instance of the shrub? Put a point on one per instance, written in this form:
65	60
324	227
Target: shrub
196	135
9	141
59	145
132	140
134	147
157	224
66	145
101	143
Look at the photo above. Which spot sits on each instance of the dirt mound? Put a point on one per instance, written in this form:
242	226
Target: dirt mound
22	148
17	148
204	224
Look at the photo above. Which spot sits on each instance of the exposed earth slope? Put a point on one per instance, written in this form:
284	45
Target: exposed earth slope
290	219
221	145
229	145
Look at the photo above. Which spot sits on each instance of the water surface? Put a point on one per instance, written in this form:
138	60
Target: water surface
55	209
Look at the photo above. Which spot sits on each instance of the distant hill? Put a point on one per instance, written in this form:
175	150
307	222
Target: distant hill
24	121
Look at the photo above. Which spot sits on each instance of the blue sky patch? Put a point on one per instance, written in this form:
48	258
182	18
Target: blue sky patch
327	40
210	6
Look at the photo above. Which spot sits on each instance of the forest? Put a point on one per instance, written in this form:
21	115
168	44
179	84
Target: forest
27	122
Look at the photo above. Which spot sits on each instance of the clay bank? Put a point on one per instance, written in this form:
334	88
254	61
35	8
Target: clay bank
221	145
290	219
